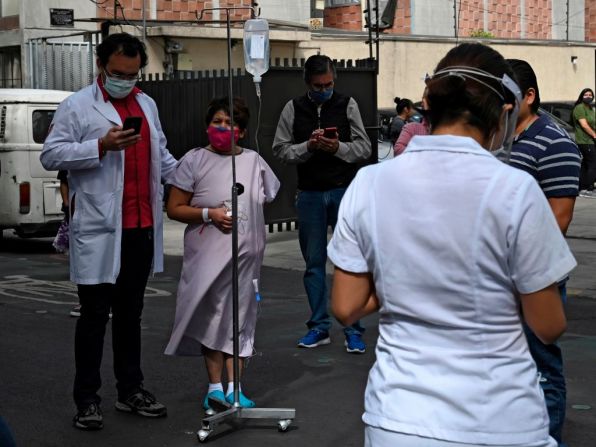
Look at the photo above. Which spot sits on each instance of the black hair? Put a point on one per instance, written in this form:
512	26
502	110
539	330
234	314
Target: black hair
317	65
453	96
581	95
402	103
526	79
123	43
241	114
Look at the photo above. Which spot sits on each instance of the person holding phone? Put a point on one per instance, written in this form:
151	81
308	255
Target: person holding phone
109	138
321	132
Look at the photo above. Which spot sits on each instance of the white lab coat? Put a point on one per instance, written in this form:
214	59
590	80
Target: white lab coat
96	186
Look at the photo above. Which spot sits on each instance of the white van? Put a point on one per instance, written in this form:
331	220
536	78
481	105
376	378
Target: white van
30	201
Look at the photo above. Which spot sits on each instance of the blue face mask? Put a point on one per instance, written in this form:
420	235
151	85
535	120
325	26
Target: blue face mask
320	97
118	88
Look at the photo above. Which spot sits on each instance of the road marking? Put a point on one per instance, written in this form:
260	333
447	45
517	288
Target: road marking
23	287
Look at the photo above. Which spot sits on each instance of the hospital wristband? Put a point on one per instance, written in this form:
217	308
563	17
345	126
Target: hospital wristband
206	218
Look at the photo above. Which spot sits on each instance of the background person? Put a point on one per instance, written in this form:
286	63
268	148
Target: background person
545	151
116	223
405	110
325	167
584	120
201	185
452	362
410	130
60	242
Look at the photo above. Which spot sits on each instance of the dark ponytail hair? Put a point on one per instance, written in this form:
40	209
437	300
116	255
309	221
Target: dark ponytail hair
453	96
402	103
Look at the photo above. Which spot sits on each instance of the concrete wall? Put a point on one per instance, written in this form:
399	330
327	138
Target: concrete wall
432	18
291	11
577	29
10	8
403	65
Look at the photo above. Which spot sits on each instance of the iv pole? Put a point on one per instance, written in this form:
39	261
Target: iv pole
226	411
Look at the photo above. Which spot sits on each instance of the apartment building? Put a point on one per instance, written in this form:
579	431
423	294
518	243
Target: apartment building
557	36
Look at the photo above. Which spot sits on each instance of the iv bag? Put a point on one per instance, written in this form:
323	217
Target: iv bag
256	47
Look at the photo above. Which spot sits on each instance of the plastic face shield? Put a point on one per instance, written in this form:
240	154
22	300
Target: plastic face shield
503	151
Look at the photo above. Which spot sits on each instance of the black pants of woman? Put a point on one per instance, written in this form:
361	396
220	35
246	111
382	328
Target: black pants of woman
587	175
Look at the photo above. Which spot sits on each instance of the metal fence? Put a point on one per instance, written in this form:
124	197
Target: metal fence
61	65
183	100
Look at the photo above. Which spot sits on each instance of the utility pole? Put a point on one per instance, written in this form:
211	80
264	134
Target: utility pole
455	24
567	21
144	25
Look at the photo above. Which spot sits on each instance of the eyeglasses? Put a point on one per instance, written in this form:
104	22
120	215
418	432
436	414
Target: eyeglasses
124	77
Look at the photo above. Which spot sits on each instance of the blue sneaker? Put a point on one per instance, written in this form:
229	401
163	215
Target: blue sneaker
219	395
354	344
314	338
245	402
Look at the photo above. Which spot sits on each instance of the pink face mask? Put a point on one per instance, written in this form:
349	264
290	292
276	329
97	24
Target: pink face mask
220	139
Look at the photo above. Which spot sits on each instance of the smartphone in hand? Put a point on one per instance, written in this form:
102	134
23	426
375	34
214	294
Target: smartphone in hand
133	122
330	132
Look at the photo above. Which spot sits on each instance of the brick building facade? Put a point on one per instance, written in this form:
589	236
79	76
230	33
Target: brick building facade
169	9
508	19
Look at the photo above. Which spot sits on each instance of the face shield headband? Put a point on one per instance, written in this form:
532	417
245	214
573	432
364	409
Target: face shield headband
502	151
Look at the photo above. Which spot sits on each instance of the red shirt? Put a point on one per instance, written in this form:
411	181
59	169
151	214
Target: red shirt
136	198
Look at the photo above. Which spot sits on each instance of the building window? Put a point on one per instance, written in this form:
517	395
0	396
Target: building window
10	67
341	2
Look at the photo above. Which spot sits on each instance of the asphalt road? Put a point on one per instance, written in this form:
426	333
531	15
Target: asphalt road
325	385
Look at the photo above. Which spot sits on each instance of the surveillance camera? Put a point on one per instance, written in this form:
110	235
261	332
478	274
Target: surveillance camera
173	46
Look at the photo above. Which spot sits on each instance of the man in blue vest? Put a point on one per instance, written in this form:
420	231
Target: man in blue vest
322	133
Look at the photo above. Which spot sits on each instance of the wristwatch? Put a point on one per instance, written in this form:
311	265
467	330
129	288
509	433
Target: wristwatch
206	218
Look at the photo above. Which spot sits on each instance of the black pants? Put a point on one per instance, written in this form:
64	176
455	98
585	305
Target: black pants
125	298
588	170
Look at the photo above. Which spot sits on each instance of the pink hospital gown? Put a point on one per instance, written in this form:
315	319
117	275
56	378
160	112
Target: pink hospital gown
204	301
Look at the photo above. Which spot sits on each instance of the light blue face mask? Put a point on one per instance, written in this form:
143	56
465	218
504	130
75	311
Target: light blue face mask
321	96
118	88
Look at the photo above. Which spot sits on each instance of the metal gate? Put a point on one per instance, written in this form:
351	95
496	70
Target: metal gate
182	102
59	65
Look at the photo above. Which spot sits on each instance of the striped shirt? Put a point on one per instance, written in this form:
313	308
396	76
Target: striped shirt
546	152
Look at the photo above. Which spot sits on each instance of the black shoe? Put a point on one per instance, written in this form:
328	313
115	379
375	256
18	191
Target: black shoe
143	403
89	418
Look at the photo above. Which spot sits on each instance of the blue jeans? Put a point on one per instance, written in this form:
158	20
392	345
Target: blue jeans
549	362
317	210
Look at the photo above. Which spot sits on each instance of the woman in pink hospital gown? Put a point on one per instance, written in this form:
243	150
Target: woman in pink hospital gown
201	197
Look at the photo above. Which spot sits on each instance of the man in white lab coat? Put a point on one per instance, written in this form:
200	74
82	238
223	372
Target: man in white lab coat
115	199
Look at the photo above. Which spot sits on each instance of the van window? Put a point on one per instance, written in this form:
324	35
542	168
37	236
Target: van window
41	124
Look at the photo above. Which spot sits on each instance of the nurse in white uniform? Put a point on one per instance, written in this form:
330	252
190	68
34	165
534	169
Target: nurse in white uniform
452	271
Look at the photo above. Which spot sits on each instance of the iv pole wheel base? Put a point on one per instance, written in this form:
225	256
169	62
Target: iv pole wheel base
283	424
203	434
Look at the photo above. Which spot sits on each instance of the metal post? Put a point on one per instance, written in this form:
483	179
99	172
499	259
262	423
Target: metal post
235	297
225	410
144	25
369	21
377	33
567	27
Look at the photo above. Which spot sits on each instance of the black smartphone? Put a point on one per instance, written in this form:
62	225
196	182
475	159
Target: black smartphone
133	122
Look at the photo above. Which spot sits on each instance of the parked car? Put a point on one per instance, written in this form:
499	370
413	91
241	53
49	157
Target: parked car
565	125
29	195
560	109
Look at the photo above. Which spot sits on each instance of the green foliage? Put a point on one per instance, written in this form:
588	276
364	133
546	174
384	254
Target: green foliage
481	33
